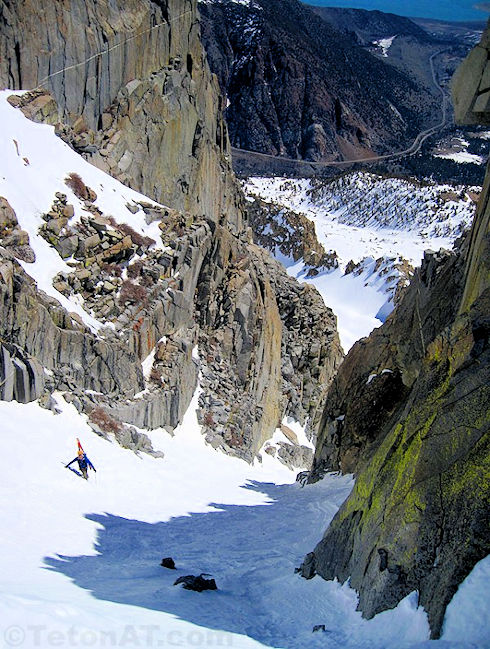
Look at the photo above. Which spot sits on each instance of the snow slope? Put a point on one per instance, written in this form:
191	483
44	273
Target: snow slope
361	215
364	217
384	44
80	560
360	302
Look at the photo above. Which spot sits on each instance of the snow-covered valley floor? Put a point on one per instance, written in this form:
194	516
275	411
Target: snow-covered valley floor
80	560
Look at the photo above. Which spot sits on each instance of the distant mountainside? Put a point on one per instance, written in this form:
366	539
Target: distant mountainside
298	87
407	43
369	25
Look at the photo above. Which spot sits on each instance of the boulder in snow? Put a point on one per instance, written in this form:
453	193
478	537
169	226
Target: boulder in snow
191	582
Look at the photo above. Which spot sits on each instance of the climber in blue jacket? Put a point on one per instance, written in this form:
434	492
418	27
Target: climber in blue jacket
83	463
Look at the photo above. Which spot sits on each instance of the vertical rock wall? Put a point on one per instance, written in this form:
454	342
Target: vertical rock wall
134	92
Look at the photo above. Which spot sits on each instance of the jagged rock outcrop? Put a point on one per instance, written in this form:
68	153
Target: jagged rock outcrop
12	236
133	93
294	88
267	344
288	234
40	327
472	101
409	414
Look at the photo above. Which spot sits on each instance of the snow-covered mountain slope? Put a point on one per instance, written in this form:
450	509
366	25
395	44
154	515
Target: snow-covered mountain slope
378	224
151	279
80	560
34	165
362	214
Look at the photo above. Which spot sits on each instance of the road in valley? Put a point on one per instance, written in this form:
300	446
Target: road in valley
413	148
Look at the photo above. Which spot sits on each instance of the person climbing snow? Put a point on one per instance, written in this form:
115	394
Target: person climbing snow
83	462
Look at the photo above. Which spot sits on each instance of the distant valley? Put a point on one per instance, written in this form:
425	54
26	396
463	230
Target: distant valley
294	90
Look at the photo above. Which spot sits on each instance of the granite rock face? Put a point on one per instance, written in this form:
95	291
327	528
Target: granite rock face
290	233
12	236
472	95
408	413
133	92
266	345
23	376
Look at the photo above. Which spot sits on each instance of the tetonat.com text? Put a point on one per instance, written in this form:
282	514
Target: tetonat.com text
139	635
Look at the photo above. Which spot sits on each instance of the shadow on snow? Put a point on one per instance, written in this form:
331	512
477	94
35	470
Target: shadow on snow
251	551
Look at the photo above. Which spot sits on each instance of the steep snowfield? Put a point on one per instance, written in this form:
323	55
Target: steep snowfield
462	157
80	560
360	302
457	150
363	217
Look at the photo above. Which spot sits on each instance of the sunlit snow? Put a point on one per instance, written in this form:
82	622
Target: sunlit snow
80	561
33	167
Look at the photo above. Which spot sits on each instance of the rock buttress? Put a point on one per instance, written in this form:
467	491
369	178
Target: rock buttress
134	94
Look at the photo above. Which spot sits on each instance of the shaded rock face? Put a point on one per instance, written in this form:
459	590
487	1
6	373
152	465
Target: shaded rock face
134	93
289	233
12	236
23	376
294	87
409	413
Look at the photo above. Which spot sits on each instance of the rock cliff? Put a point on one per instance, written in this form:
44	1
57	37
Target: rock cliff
408	413
144	106
133	91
